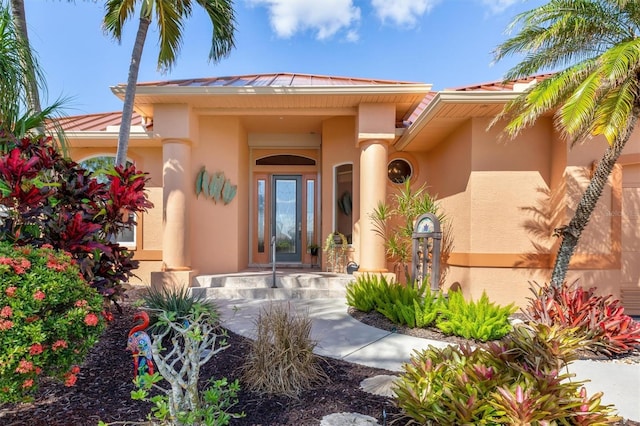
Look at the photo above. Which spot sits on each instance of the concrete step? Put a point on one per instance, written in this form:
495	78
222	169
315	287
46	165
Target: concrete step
283	280
258	285
267	293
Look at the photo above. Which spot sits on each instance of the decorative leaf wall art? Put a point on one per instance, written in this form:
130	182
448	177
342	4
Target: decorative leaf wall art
215	186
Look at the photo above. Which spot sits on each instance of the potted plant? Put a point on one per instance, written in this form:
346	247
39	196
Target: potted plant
313	249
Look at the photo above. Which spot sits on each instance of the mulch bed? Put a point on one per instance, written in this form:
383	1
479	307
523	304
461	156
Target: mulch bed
102	391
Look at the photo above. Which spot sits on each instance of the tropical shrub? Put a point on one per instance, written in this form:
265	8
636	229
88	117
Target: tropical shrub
49	199
463	385
281	359
192	338
178	303
394	222
482	320
49	319
598	319
213	406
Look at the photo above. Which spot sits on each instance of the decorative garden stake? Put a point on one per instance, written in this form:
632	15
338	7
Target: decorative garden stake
139	344
427	239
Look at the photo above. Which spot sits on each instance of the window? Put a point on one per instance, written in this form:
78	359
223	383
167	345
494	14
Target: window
311	194
343	218
399	170
261	214
285	160
97	166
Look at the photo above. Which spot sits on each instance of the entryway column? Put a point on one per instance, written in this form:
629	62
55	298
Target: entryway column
373	185
176	156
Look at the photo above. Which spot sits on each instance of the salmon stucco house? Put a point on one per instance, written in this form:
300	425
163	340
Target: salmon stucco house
300	156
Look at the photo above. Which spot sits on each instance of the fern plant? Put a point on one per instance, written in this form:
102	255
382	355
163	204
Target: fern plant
364	292
428	308
396	301
481	320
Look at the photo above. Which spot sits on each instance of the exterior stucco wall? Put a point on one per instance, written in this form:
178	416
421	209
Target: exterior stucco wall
219	233
506	198
339	147
489	189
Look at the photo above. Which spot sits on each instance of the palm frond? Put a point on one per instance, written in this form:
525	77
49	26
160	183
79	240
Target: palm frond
117	12
169	16
614	113
578	110
222	18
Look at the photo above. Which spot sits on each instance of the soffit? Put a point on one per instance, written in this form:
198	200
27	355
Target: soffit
441	113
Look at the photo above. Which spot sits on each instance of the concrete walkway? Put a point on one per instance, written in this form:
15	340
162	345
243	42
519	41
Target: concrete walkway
340	336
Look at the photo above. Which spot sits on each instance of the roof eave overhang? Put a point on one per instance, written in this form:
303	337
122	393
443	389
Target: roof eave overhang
382	89
81	137
449	97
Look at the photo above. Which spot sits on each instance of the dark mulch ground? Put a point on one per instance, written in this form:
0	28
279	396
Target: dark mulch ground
103	390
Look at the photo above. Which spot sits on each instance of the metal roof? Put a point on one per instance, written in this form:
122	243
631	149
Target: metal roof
95	122
270	80
501	85
101	121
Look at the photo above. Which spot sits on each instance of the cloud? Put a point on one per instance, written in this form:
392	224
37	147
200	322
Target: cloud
402	12
325	18
498	6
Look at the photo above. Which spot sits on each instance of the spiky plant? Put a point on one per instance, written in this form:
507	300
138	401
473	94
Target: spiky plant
281	359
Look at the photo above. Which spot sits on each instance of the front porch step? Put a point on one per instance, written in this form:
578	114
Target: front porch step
258	285
267	293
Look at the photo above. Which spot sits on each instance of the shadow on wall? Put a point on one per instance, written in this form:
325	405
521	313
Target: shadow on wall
172	170
555	208
169	281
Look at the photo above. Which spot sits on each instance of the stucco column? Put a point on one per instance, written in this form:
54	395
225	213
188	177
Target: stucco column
373	190
176	156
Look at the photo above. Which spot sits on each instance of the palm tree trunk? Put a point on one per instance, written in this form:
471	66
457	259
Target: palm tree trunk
20	23
571	233
130	92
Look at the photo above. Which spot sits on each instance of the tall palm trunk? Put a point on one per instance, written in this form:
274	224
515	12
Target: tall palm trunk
130	91
31	83
571	233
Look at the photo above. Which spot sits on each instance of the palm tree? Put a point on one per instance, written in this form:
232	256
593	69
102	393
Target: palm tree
598	93
170	15
20	75
20	24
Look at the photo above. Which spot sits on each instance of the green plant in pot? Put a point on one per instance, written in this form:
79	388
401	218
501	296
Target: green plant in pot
313	249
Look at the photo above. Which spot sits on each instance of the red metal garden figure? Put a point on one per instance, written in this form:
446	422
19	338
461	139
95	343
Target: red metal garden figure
139	343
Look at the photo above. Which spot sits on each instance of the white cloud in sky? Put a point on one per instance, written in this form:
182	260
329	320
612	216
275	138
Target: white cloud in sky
325	18
498	6
402	12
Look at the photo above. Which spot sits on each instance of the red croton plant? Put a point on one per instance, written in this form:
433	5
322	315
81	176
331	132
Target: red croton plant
46	198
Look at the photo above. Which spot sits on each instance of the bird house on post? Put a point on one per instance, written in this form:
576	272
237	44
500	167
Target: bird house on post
427	241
